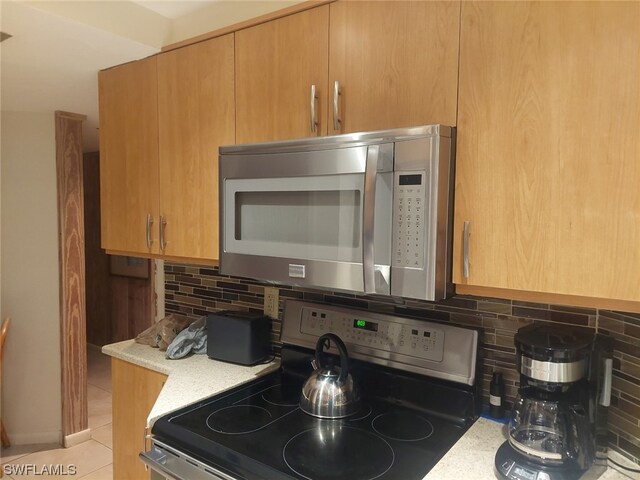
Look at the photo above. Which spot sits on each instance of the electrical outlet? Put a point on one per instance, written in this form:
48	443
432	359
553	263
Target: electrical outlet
271	302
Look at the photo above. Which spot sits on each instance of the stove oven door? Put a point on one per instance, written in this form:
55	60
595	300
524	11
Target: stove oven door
168	463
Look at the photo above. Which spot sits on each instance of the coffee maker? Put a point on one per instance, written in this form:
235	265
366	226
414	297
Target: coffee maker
558	426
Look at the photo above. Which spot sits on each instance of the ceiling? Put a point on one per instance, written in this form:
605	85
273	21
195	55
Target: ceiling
56	48
171	9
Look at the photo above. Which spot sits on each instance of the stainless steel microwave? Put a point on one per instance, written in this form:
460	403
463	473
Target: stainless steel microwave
365	212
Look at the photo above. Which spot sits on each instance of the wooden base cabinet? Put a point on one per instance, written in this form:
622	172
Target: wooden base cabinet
548	151
134	392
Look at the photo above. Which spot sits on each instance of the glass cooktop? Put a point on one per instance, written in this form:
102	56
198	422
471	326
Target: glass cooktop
257	431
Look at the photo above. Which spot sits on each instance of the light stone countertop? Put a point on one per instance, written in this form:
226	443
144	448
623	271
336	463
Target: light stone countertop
197	377
473	455
189	379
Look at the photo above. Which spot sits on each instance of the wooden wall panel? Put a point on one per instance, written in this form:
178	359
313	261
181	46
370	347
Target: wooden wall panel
118	308
130	307
72	272
96	260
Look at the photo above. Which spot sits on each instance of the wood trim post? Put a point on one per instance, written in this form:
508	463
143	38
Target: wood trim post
72	275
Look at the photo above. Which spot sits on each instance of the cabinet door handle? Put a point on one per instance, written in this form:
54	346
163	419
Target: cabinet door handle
336	105
465	248
163	224
313	116
149	223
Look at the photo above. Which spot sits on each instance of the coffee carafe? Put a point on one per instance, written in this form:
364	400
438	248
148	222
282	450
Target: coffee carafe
557	429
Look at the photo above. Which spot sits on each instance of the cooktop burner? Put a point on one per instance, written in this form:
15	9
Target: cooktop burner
239	419
283	395
406	427
338	452
364	412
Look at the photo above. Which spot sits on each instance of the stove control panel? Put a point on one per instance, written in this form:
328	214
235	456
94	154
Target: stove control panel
421	346
424	342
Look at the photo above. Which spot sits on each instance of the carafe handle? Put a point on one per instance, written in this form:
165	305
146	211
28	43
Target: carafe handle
581	447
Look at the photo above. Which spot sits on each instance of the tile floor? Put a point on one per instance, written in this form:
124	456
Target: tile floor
92	459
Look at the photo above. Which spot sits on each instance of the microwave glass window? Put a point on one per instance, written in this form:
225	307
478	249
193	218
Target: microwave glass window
307	218
322	218
327	218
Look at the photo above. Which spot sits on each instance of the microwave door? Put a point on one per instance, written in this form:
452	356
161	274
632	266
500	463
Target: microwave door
295	222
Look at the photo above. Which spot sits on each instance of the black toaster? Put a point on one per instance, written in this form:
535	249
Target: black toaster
238	337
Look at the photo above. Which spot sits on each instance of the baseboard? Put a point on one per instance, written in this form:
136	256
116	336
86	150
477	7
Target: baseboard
77	438
35	438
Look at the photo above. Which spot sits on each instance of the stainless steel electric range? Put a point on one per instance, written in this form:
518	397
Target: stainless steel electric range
419	395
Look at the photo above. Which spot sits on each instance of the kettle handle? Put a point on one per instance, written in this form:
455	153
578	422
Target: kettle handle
324	341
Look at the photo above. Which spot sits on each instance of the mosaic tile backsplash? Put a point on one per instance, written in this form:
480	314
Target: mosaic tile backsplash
195	291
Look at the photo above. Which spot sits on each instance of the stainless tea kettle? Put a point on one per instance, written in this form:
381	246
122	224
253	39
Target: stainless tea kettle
329	393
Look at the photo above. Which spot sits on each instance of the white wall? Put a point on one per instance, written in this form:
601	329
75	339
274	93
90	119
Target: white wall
31	385
123	18
221	14
130	20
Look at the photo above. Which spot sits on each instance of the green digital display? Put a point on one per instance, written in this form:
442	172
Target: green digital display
365	325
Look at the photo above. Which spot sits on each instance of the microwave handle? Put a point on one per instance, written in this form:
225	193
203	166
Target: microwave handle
368	215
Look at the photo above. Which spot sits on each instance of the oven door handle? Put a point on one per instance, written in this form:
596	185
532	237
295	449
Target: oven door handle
368	218
153	459
178	466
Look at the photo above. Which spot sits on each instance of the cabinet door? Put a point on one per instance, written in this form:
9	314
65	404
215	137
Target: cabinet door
196	116
134	392
276	65
129	156
396	64
548	169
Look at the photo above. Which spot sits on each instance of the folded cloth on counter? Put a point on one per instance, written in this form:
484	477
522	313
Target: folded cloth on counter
162	333
192	339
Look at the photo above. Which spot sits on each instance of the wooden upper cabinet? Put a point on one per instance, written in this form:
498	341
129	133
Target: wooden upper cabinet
196	116
396	64
548	151
128	97
276	65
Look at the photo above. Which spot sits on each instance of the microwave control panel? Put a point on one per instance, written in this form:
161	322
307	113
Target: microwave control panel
409	219
424	342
